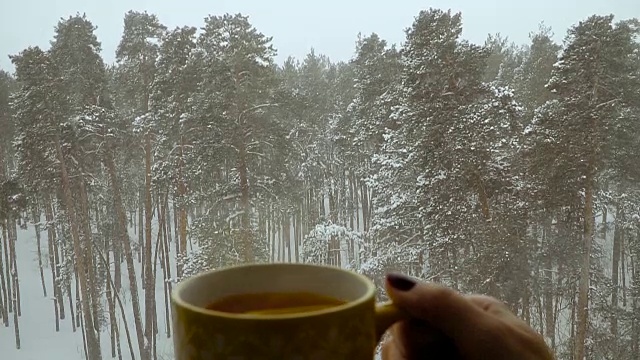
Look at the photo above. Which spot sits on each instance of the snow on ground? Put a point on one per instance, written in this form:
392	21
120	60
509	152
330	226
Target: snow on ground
39	340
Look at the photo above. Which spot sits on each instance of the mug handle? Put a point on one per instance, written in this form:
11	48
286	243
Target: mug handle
386	315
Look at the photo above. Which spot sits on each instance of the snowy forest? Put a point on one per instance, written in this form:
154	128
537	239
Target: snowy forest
499	168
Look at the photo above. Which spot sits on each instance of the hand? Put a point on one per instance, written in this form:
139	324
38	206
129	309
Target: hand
447	325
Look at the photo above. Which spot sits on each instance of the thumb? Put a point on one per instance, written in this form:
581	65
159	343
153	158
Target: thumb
444	309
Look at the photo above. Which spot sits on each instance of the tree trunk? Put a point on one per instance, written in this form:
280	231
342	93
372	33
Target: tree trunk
556	305
298	234
52	266
118	347
270	237
245	226
117	260
167	220
155	276
5	296
54	258
549	315
615	271
623	268
149	288
88	241
526	303
71	311
482	196
282	247
11	233
13	257
334	242
140	231
15	295
344	196
356	204
36	221
119	301
635	275
312	207
92	339
2	299
286	233
5	281
582	311
182	216
84	335
176	234
167	269
16	325
110	305
5	248
365	206
128	252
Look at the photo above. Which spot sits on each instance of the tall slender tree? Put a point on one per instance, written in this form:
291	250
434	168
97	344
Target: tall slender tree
137	54
581	130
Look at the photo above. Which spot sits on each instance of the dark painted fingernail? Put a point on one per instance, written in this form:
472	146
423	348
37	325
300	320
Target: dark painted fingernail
400	282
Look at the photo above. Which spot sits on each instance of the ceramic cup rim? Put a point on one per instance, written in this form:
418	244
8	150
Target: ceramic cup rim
178	301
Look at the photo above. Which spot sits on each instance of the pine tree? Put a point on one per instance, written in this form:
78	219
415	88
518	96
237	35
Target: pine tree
7	87
533	74
441	76
75	55
237	131
137	53
12	203
376	70
581	130
547	253
6	123
175	85
499	54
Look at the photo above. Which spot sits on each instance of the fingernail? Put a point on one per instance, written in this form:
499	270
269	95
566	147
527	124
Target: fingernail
400	282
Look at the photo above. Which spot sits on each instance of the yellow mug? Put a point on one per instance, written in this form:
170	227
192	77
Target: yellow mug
347	331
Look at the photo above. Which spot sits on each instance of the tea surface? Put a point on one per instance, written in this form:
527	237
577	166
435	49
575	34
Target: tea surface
273	303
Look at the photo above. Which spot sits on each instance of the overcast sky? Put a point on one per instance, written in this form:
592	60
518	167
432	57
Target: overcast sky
330	26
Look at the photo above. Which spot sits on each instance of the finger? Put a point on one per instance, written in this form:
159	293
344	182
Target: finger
443	308
525	337
477	325
500	310
490	305
390	351
416	339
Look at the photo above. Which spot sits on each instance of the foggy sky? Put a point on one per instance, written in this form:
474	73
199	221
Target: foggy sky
329	26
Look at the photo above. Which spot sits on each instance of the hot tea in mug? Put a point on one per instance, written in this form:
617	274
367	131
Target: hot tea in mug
274	303
278	311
